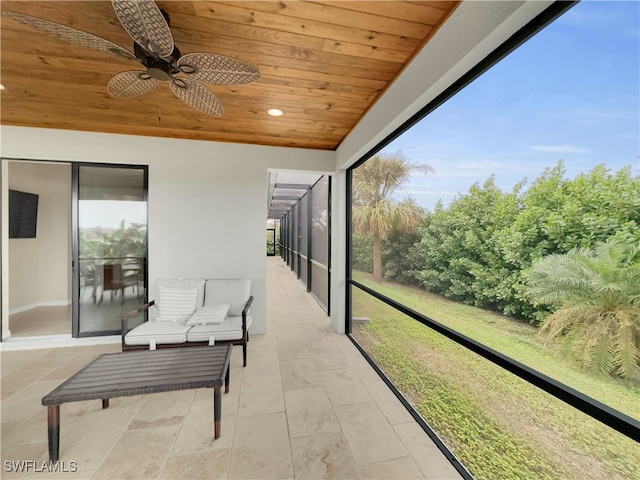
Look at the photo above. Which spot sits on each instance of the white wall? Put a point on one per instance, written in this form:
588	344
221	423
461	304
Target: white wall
207	200
39	268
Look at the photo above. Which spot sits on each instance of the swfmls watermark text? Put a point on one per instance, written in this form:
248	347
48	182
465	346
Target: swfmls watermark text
32	466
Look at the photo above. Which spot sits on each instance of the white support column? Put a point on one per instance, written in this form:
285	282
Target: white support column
338	250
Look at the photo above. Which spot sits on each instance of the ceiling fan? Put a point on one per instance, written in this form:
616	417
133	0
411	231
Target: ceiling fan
153	47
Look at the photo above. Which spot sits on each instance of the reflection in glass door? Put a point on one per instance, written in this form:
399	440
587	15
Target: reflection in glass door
110	246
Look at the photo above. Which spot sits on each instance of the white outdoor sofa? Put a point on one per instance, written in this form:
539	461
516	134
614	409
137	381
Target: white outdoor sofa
192	312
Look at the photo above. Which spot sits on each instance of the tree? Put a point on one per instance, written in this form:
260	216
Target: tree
375	212
595	295
462	257
558	214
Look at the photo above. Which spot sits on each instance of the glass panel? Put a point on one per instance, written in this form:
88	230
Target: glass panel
320	221
112	221
496	424
303	269
288	238
303	236
499	201
303	202
320	284
320	241
295	248
501	240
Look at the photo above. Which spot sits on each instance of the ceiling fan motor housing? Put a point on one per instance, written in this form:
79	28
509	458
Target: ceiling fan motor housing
158	67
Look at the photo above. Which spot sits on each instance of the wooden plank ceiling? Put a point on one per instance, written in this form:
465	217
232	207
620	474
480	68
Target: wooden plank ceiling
324	63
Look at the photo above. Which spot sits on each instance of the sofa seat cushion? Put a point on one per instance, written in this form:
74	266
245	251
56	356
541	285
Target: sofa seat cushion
235	291
161	332
230	329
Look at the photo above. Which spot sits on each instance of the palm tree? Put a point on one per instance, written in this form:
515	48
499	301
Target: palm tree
375	213
596	298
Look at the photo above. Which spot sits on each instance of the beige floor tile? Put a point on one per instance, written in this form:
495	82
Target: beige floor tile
344	387
344	344
299	373
35	452
292	350
399	469
261	448
362	367
309	412
289	334
260	395
89	442
33	430
263	363
197	432
29	402
322	456
163	410
392	408
428	457
7	430
369	435
236	357
204	465
321	340
139	454
259	343
328	359
63	472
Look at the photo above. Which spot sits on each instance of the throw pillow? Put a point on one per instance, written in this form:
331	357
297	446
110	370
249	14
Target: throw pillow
210	315
176	304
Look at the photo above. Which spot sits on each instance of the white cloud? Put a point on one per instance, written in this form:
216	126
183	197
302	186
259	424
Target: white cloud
559	149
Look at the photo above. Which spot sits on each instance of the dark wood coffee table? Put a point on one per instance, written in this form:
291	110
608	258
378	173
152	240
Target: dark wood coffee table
141	372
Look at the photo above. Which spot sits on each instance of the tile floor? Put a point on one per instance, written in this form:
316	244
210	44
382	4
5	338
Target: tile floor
41	321
307	406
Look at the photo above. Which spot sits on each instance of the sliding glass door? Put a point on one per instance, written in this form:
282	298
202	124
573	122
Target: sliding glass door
110	245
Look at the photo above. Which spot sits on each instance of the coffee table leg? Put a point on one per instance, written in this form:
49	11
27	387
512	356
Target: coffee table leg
105	403
226	380
53	432
217	400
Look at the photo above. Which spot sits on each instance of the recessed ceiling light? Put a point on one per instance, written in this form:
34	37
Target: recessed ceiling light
275	112
1	86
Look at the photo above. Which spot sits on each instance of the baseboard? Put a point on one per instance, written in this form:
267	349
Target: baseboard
51	303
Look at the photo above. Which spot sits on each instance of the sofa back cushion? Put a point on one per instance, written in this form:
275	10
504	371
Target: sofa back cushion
177	299
235	291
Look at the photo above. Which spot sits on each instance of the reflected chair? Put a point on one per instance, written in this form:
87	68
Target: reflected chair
88	279
113	280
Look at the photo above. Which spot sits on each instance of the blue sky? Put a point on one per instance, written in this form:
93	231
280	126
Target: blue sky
572	92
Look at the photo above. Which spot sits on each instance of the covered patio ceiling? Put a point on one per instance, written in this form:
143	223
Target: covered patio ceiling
323	63
286	189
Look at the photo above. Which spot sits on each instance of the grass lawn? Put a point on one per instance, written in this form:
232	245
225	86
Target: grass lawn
498	425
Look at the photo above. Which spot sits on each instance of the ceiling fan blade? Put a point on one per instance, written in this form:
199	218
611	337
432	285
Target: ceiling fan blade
63	32
130	84
196	95
217	69
144	22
